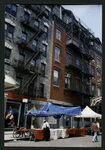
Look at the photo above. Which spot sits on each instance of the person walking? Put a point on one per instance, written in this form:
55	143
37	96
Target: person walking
94	129
46	128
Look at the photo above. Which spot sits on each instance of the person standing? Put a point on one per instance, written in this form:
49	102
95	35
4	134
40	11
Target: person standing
94	129
46	128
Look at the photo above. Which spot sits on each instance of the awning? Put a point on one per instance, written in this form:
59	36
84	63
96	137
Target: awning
50	109
10	83
89	113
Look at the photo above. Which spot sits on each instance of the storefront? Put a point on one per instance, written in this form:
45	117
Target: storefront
16	109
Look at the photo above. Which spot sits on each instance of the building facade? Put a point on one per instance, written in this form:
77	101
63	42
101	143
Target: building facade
27	49
49	52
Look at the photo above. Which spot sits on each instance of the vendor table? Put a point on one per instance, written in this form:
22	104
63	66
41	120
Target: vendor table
81	132
57	133
71	131
22	131
38	133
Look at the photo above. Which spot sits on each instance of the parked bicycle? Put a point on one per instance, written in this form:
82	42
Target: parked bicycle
20	132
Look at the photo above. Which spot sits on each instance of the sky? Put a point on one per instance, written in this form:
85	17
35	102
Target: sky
91	15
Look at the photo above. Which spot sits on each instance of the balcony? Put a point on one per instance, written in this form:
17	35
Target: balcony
34	48
39	11
32	26
74	66
73	91
87	55
87	71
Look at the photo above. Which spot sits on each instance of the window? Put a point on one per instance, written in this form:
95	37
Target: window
43	69
21	59
67	82
45	31
34	45
93	71
23	38
42	90
92	55
98	74
68	20
68	38
38	8
19	80
58	34
26	17
32	66
93	90
31	87
36	25
57	53
77	84
99	92
68	59
56	77
11	9
44	50
9	30
47	13
77	62
98	62
7	53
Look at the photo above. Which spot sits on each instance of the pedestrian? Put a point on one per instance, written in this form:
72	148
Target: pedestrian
46	128
94	129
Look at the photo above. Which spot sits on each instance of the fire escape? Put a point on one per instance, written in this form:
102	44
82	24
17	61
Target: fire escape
79	39
38	31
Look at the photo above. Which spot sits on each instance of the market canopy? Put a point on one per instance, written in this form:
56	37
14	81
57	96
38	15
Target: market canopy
50	109
89	113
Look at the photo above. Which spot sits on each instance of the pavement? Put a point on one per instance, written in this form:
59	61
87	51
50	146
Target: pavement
81	141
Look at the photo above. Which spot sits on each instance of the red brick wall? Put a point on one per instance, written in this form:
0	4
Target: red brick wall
57	92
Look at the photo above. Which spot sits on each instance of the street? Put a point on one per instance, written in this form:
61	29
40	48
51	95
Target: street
83	141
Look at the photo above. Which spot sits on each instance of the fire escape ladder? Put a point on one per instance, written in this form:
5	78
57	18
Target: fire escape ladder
29	81
34	36
32	57
34	17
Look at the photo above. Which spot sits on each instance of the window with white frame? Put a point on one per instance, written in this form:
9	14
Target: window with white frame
9	30
57	53
11	9
68	59
67	81
56	77
58	34
99	92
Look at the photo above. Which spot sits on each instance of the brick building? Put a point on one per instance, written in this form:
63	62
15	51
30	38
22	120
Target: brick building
49	52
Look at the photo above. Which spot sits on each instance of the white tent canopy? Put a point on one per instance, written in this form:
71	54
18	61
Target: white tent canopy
89	113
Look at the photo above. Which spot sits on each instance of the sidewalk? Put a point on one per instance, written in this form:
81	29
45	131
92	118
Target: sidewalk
8	136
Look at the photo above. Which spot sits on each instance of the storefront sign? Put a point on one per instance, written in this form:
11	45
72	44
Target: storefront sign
25	100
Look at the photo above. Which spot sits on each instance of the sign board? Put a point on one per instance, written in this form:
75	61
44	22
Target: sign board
52	120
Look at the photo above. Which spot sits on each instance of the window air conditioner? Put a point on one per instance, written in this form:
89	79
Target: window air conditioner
7	61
